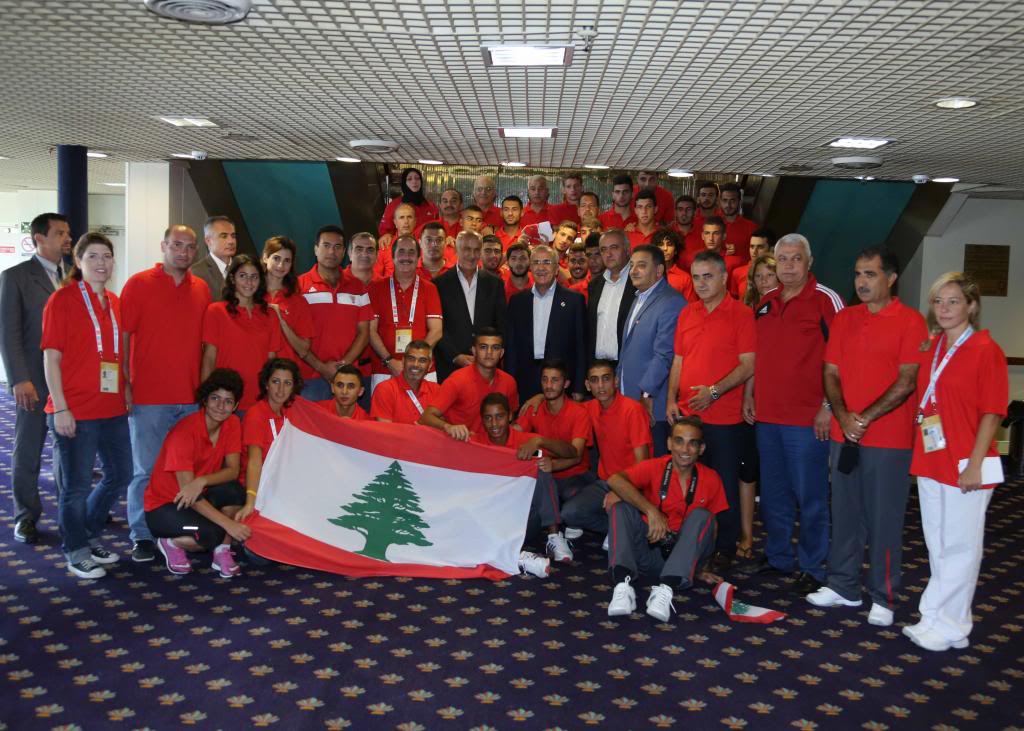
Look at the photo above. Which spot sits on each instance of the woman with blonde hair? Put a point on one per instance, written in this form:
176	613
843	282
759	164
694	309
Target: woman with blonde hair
962	392
761	279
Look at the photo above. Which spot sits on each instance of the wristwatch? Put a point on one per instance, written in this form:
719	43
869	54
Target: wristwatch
714	392
385	361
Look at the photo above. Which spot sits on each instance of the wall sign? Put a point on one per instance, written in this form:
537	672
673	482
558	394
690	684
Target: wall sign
989	266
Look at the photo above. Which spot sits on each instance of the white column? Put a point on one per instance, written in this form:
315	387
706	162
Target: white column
147	205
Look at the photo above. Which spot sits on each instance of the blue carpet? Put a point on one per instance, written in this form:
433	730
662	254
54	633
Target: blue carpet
290	648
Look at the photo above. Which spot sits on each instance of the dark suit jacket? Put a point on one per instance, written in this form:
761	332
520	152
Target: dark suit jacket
566	339
594	290
24	290
458	328
206	269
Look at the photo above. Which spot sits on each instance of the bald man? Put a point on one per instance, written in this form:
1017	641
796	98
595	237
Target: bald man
485	192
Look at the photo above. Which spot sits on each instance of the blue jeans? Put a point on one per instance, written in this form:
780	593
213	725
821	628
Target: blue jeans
794	477
317	389
83	509
149	426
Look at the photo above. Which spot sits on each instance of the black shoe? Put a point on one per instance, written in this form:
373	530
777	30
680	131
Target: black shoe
143	551
805	584
25	531
719	562
764	567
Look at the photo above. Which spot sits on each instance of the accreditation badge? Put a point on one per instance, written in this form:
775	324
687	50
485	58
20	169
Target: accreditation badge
109	376
932	437
403	336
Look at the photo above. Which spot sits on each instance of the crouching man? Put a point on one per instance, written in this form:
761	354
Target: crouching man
662	522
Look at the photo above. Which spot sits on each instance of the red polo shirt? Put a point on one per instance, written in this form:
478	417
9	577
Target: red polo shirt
515	440
530	216
256	432
665	202
428	307
422	271
692	238
337	312
710	494
737	234
611	219
571	422
510	288
331	407
619	429
425	211
459	397
731	262
297	314
638	238
738	281
975	382
869	349
166	323
564	212
492	218
681	282
68	328
581	286
391	400
507	239
710	345
790	350
243	342
188	448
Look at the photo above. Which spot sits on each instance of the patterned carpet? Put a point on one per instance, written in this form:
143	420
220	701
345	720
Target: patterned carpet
293	649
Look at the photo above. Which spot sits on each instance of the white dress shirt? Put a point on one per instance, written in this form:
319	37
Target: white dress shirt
607	339
469	290
541	316
51	271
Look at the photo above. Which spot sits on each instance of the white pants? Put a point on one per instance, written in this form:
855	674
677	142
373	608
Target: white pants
378	378
954	531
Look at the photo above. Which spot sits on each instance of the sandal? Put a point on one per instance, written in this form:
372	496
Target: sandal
745	552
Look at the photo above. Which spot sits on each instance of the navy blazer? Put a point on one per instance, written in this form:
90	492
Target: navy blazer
565	339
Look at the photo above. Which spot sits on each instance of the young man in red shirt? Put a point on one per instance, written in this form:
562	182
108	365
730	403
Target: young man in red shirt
645	207
648	180
738	229
565	235
432	260
707	202
341	313
595	262
492	255
671	244
403	399
622	430
455	409
871	365
511	216
663	522
715	343
713	233
347	387
579	272
568	209
761	243
517	276
620	214
685	210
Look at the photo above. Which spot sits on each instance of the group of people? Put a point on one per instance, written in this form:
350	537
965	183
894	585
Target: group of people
662	360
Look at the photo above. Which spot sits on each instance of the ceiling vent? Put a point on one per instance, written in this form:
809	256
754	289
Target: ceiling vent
207	12
374	147
857	162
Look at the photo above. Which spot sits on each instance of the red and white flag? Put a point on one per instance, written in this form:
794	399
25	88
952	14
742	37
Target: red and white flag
739	611
378	499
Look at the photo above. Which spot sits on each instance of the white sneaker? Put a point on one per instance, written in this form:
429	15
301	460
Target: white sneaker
623	599
825	597
531	563
604	546
571	534
928	639
87	569
558	549
879	616
659	603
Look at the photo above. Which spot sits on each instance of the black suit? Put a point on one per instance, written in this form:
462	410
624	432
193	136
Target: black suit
24	290
594	291
565	339
458	328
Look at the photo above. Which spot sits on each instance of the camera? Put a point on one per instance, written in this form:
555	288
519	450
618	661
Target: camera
667	543
920	179
199	155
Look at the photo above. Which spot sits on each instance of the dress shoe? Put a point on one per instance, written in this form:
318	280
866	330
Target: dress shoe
719	562
25	531
764	567
805	584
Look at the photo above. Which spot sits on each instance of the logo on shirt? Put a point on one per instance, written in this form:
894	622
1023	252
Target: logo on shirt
765	309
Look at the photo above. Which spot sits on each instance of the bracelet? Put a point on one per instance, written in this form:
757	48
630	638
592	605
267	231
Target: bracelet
251	492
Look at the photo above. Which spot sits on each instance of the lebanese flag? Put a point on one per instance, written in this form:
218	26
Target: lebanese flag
740	612
365	498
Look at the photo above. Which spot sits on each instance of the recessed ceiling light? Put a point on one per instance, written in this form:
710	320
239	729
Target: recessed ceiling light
596	167
526	131
188	121
430	162
527	55
679	173
91	153
865	177
956	102
117	185
946	180
4	158
764	175
514	164
859	143
348	159
182	155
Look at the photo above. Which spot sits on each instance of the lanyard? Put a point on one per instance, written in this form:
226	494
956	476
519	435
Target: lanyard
936	372
273	428
691	491
96	322
415	401
412	305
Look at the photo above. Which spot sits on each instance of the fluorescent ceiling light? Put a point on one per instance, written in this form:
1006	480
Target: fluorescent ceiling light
117	185
430	162
865	177
946	180
4	158
183	155
188	121
527	131
596	167
956	102
90	153
679	173
514	164
348	159
527	55
859	143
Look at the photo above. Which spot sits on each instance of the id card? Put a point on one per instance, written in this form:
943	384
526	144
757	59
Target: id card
109	375
932	437
403	337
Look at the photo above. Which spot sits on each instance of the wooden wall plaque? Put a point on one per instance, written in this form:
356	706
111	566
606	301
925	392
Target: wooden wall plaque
989	266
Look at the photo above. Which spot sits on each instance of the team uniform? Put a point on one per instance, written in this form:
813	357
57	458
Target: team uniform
425	212
402	316
394	400
571	422
459	397
612	219
296	312
665	202
331	407
737	235
244	341
260	427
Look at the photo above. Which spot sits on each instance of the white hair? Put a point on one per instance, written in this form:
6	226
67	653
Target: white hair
794	240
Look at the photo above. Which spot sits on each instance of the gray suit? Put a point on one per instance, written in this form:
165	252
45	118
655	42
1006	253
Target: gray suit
206	269
24	290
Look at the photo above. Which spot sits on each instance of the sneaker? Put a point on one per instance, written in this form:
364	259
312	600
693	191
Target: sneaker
880	616
532	563
143	551
177	558
825	597
224	562
102	556
571	534
87	569
928	639
558	548
659	603
623	599
25	531
604	545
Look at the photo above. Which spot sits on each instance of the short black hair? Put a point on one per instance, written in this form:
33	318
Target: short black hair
406	237
691	420
432	225
495	399
490	239
707	184
592	194
487	332
280	364
715	221
647	195
329	229
669	234
731	187
622	179
555	364
601	363
593	240
472	209
763	232
513	198
656	254
516	247
41	223
890	262
688	198
221	378
347	369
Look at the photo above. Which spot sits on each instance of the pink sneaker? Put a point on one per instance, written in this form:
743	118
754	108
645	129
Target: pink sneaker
177	558
224	562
